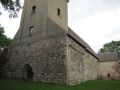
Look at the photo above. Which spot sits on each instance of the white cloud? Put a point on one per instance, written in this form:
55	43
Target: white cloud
86	8
98	28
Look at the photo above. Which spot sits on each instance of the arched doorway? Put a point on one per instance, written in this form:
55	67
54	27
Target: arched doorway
27	72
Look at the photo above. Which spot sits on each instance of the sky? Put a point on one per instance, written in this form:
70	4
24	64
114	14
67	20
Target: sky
95	21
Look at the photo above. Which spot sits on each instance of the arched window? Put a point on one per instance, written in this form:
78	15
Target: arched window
33	9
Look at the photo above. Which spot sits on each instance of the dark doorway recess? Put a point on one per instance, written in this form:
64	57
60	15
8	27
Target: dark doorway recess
27	72
108	75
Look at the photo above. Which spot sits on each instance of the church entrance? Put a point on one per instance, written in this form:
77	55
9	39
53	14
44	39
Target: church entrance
27	72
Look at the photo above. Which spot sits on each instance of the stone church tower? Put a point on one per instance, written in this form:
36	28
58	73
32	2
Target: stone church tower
45	49
38	50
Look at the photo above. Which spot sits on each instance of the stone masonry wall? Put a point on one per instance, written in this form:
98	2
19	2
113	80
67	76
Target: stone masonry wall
42	44
90	67
75	62
44	52
81	65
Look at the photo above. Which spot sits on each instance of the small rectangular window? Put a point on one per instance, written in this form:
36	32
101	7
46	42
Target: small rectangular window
31	30
33	9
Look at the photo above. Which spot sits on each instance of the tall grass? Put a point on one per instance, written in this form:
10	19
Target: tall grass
29	85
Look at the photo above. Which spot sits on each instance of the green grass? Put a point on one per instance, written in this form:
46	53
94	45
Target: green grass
29	85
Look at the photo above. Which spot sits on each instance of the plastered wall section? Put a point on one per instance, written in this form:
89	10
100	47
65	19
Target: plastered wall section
109	70
53	6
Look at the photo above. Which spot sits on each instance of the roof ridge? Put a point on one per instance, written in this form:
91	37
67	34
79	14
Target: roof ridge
82	42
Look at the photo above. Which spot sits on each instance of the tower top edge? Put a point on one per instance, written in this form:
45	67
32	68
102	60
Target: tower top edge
67	0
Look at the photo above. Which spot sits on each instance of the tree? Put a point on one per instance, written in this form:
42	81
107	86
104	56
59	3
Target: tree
113	46
4	40
12	6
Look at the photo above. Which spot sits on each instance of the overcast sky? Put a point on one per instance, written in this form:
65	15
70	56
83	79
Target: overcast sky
96	21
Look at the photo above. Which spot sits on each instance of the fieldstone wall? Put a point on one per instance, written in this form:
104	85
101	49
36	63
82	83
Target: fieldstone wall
75	63
90	67
41	49
109	70
81	66
52	55
44	52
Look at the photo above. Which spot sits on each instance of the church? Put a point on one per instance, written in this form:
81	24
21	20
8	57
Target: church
46	49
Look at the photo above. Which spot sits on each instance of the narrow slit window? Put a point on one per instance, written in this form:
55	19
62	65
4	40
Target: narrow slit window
33	9
59	12
31	30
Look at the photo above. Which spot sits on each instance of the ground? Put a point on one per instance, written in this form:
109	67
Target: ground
29	85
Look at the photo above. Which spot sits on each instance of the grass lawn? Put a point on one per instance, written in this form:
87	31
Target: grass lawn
29	85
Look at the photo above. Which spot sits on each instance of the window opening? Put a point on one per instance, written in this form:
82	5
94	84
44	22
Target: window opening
31	30
33	9
59	12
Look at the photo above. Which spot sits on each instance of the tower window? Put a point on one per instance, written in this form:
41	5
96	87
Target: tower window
33	9
31	30
59	12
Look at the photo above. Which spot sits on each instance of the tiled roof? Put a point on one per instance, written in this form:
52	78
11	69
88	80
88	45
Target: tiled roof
108	56
81	42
